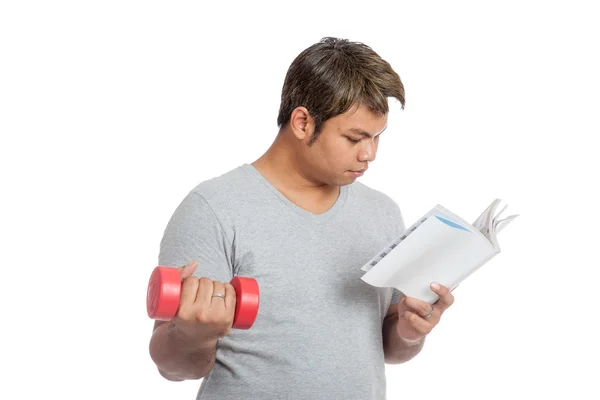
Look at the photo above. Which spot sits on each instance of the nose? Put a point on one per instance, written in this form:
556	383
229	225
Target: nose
368	151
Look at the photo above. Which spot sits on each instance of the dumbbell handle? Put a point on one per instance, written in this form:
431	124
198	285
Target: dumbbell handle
164	295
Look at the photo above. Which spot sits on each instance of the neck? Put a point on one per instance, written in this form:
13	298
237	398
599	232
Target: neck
280	166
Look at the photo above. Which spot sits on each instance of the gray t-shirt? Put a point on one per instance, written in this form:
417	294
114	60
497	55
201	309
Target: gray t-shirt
318	332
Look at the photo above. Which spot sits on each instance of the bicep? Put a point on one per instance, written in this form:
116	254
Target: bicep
194	232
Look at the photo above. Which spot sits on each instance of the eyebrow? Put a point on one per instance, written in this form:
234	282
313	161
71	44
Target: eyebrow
363	133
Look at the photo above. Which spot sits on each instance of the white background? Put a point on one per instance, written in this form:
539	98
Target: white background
110	112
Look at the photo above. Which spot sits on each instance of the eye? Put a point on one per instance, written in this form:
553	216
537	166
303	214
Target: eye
352	140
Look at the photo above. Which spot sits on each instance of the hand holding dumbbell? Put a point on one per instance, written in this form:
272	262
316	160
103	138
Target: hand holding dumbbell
200	304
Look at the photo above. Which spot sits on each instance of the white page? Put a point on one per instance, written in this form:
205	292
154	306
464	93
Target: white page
503	223
483	220
386	250
498	215
489	221
433	252
492	231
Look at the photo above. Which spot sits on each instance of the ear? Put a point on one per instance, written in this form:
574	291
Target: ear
302	124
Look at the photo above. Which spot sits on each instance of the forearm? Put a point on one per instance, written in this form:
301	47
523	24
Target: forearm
178	357
397	350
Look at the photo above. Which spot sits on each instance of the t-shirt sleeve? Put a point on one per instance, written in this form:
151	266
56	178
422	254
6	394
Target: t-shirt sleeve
195	233
398	221
395	296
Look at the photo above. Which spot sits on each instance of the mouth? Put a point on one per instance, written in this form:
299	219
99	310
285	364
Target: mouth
359	172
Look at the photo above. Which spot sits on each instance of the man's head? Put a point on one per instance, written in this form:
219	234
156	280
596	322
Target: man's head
335	103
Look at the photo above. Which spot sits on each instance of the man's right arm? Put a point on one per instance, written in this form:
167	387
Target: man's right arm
185	347
179	357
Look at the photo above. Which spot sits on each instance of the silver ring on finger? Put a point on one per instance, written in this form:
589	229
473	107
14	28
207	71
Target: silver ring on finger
430	314
221	295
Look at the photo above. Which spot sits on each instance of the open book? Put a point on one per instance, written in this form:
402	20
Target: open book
440	247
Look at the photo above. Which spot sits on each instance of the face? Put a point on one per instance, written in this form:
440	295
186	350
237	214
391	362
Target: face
344	149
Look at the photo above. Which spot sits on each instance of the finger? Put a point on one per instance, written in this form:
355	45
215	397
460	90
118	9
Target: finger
189	288
218	287
402	298
205	291
418	306
446	298
188	269
230	297
419	324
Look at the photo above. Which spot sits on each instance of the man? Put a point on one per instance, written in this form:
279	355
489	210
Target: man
298	221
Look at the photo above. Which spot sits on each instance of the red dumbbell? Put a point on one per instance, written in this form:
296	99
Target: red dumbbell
164	291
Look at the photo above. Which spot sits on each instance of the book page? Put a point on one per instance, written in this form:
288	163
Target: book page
439	250
441	246
495	225
484	221
498	215
438	211
386	250
501	224
485	225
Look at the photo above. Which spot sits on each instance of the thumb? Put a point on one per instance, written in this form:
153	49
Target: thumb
188	269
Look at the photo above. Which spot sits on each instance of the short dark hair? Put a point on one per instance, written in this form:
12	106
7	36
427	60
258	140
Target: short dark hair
330	76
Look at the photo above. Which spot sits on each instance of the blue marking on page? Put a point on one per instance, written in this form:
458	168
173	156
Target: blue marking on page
452	224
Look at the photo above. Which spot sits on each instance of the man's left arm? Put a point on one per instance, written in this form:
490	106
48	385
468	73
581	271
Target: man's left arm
409	321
